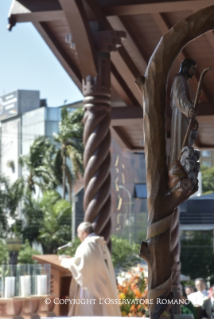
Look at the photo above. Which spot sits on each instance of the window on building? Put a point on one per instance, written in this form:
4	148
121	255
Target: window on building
140	191
206	163
205	153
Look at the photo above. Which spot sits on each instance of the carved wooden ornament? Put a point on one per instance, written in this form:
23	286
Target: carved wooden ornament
164	194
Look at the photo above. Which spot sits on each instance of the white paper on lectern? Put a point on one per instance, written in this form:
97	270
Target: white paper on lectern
66	262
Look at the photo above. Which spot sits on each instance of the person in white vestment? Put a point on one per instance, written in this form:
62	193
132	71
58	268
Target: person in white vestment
197	298
93	288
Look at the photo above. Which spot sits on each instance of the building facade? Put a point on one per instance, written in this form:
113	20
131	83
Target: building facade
24	117
12	107
207	158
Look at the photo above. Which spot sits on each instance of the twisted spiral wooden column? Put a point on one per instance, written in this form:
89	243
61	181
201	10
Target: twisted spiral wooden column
158	233
176	269
97	139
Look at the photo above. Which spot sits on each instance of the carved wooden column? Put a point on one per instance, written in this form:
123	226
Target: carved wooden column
97	139
93	43
176	269
166	189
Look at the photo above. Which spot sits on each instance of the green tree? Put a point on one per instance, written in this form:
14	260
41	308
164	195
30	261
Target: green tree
38	165
47	220
3	252
124	255
70	138
26	253
10	196
56	225
197	257
33	218
207	179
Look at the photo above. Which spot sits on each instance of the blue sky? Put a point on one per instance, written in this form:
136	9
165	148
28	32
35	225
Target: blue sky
27	63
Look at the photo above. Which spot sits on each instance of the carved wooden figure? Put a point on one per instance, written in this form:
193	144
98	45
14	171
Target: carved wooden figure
182	108
166	190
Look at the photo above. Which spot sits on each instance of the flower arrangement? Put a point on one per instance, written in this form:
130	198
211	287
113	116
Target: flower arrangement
133	294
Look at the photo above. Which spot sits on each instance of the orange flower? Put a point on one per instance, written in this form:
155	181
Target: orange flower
137	293
131	288
133	308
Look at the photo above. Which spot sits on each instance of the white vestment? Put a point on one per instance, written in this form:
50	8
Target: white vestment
93	285
197	298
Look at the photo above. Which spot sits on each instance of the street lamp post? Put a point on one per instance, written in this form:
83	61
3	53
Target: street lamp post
13	246
130	208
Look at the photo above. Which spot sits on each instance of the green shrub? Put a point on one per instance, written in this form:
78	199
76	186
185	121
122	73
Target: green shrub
26	253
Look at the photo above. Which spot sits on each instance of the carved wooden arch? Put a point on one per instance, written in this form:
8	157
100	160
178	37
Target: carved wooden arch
162	200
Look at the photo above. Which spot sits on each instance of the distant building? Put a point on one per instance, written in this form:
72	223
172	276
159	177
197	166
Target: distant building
207	158
12	106
128	194
23	117
197	213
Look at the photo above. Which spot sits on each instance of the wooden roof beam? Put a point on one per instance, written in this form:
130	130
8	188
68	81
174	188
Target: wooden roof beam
164	28
128	71
121	87
82	35
206	109
121	59
20	13
43	16
205	119
146	8
209	35
66	62
126	116
129	43
122	140
34	11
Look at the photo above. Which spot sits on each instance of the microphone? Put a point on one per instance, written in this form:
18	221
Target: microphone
65	246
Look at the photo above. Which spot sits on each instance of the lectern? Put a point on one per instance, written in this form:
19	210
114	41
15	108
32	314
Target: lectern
60	281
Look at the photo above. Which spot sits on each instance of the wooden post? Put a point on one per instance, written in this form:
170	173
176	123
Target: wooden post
164	193
93	51
176	269
97	140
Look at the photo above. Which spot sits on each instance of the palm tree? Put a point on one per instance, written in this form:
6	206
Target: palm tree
70	137
47	220
32	223
3	252
56	229
43	168
10	195
4	185
39	164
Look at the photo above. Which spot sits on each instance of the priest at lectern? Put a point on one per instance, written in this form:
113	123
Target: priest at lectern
93	289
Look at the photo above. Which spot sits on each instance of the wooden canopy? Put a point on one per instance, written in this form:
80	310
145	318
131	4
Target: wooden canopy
144	23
